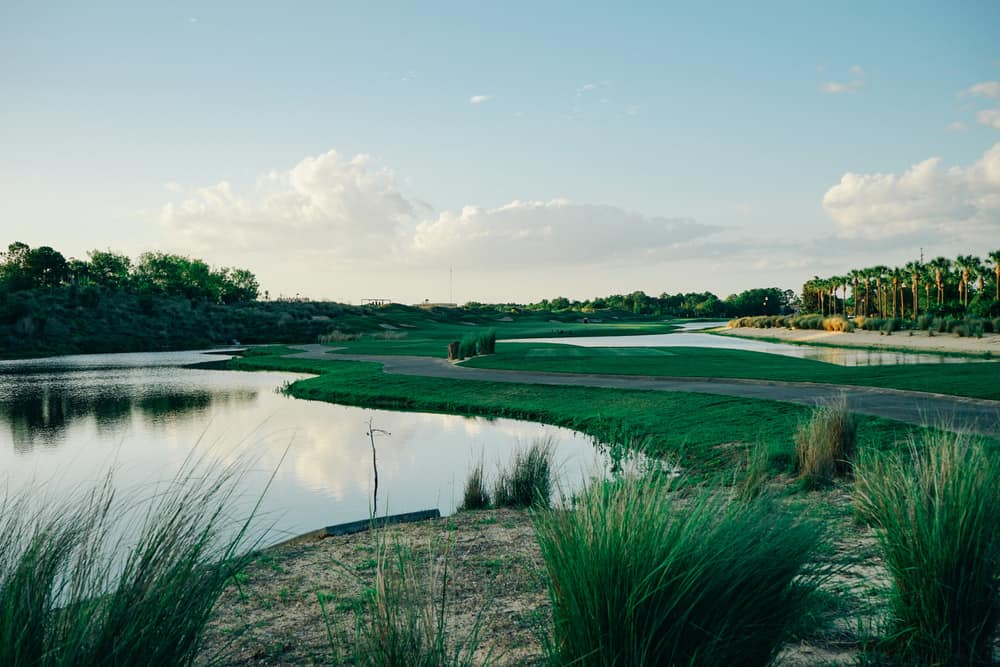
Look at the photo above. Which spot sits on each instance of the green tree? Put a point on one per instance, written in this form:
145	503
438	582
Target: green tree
109	269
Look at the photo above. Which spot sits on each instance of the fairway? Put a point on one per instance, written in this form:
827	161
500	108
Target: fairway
976	380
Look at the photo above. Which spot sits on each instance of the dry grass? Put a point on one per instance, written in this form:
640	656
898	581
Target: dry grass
825	444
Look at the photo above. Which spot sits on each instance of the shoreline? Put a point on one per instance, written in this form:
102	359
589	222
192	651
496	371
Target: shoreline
899	341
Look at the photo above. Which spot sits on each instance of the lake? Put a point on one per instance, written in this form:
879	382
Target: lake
65	420
688	336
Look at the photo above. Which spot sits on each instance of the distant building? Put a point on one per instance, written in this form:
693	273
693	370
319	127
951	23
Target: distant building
376	302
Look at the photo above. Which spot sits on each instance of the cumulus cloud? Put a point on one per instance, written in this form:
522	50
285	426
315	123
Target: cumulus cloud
353	209
323	201
553	231
957	126
479	99
927	198
989	117
984	89
854	84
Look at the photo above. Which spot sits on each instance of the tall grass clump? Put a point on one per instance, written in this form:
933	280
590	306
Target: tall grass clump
528	481
486	343
838	323
476	496
638	577
937	511
83	584
403	620
825	443
467	347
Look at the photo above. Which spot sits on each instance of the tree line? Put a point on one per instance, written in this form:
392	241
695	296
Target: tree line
758	301
964	286
24	268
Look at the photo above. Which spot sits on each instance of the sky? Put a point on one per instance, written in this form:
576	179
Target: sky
512	151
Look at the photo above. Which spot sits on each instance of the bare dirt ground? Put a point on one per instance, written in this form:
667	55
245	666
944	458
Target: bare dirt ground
920	341
495	573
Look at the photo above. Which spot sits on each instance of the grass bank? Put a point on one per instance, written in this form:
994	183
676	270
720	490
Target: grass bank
700	428
976	380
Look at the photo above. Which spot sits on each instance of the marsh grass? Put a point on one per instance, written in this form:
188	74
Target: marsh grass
638	576
751	475
937	511
98	580
476	496
404	618
825	444
528	481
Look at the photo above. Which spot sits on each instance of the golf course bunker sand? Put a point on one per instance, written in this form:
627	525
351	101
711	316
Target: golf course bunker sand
920	341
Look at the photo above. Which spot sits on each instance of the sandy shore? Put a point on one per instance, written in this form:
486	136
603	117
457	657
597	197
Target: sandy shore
919	341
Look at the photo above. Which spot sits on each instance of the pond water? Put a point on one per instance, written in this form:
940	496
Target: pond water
64	421
688	336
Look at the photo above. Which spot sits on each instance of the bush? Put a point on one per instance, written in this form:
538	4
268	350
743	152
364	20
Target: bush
837	323
69	594
528	482
637	577
825	443
938	516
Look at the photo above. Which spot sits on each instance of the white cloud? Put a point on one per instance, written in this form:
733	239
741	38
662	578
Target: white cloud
989	117
322	202
586	88
353	210
984	89
479	99
554	231
956	202
957	126
853	85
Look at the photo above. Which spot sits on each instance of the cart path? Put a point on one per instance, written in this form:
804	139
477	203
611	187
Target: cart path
953	412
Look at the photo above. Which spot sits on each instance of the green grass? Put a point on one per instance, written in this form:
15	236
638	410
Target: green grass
937	511
691	426
430	338
527	482
638	576
978	380
72	593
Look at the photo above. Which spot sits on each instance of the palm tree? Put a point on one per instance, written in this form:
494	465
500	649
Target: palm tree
967	265
914	268
880	274
941	266
995	258
855	276
927	276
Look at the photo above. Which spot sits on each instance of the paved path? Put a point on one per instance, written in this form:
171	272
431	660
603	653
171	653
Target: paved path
956	413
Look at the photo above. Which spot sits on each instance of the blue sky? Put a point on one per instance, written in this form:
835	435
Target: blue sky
539	149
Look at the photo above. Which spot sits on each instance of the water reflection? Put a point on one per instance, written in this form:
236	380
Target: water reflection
64	424
38	410
688	337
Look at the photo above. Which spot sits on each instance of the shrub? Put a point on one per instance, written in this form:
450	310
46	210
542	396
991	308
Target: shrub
937	511
336	336
837	323
528	481
476	496
925	322
637	577
69	593
825	443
